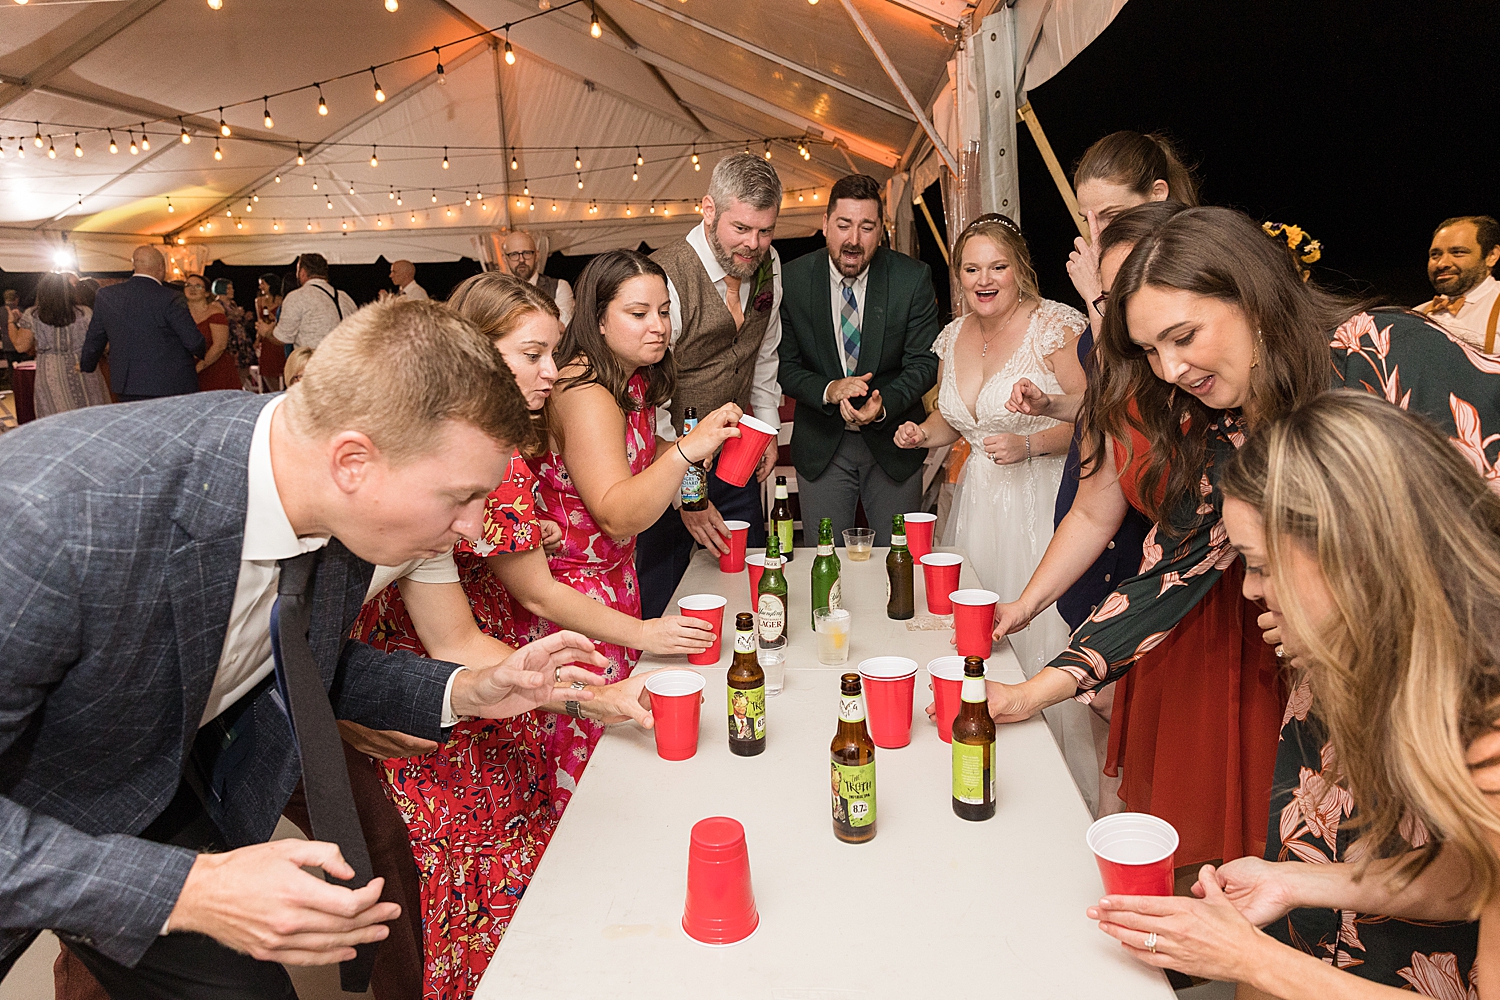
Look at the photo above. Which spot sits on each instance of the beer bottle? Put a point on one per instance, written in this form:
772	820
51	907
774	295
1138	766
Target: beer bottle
826	592
853	769
747	692
900	601
781	520
974	748
694	490
770	602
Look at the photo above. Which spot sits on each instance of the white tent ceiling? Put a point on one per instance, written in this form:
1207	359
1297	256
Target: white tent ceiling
666	75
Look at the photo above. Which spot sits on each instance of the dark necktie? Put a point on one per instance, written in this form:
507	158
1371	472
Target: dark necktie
325	775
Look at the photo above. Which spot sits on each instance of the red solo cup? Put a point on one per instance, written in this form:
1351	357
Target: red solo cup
940	575
1135	852
947	673
734	560
889	682
720	907
741	455
676	697
709	607
974	621
919	533
755	562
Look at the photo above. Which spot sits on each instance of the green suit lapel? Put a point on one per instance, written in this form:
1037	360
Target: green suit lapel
872	325
824	345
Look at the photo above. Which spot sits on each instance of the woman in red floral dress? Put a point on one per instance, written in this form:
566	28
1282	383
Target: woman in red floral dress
602	477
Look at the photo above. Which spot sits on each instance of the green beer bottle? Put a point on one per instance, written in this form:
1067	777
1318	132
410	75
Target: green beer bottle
826	592
900	595
770	603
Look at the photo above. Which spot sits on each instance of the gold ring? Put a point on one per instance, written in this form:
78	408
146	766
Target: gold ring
1151	942
557	676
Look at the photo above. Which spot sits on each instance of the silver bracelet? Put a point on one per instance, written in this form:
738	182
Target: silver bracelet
1028	447
573	708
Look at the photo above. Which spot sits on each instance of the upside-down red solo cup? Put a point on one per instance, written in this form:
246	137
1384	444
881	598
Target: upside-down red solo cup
720	907
890	683
741	455
974	621
710	608
1135	852
919	533
947	673
734	560
755	564
676	697
940	577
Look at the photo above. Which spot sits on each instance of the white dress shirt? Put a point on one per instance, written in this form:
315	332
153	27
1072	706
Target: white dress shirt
765	389
308	313
1473	317
269	537
564	298
836	294
412	290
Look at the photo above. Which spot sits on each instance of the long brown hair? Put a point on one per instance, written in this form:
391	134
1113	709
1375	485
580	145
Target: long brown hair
1405	671
583	340
1219	253
498	304
55	304
1138	161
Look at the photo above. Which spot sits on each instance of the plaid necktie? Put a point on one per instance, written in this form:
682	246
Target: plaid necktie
849	327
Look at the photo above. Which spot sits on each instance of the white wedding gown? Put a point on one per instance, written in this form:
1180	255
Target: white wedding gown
1002	514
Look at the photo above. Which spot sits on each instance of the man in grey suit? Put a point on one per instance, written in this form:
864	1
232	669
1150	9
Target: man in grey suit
145	745
154	343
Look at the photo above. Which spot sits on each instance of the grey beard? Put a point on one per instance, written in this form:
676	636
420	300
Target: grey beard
726	259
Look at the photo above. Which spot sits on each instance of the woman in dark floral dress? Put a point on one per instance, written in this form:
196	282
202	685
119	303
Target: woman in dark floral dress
1376	546
1210	331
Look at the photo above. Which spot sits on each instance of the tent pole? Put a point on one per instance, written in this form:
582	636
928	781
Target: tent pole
1059	178
906	94
932	224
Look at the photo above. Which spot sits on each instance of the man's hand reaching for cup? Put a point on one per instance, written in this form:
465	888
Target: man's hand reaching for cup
529	678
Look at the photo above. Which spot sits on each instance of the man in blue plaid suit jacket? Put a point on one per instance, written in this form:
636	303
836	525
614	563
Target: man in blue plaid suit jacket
129	596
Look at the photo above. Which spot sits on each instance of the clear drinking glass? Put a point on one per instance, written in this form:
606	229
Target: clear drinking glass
771	655
858	542
833	626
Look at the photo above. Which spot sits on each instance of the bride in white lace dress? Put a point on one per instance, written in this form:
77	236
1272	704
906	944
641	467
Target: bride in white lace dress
1002	514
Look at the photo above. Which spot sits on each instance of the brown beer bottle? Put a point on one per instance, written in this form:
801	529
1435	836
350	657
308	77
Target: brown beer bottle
853	768
781	519
900	595
974	748
747	691
694	489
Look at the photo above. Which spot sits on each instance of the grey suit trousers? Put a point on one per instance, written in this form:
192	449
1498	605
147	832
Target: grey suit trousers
852	477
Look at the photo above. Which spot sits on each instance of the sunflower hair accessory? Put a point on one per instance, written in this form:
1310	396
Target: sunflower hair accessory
1303	247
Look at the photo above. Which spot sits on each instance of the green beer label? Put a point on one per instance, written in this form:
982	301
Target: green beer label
747	714
973	774
784	535
853	795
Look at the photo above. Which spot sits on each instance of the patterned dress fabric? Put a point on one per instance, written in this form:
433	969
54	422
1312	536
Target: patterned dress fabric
60	386
599	566
479	809
1414	365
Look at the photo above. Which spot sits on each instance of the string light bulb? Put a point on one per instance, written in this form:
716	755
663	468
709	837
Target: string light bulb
694	158
391	195
278	178
392	5
215	4
134	149
580	182
374	157
640	160
77	149
635	175
450	211
344	224
322	104
531	205
330	203
515	164
351	187
554	206
309	225
249	206
51	150
145	142
398	199
442	79
768	149
114	147
170	209
379	94
445	157
183	132
577	160
434	196
223	128
38	139
218	153
525	188
595	28
315	182
379	222
484	206
414	217
228	213
510	53
265	105
627	209
276	225
255	197
301	160
466	199
239	223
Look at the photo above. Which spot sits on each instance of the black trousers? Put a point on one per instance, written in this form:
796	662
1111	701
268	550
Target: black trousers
184	965
663	551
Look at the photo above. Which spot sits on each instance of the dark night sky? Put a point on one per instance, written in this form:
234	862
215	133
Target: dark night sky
1366	122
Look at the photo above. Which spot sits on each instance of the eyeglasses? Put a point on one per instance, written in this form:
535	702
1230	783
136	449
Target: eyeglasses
1100	302
521	255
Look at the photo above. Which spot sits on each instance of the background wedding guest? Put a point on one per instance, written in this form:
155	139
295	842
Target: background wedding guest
520	254
404	277
858	323
217	370
724	281
270	351
311	310
1460	265
241	338
154	343
54	328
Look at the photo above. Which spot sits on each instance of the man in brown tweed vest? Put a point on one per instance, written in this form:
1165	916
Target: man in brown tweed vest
725	288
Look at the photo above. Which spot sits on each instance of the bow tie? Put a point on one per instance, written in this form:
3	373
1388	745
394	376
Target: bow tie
1441	303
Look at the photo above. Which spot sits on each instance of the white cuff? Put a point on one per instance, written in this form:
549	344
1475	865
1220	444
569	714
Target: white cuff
449	720
825	391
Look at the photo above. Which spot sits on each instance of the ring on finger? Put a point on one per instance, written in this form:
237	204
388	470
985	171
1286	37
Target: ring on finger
1151	942
1280	651
557	676
579	685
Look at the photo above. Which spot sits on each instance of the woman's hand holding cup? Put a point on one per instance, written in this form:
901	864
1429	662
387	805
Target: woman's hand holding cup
700	444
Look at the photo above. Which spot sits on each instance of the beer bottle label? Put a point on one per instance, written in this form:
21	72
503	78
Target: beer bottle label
835	596
973	773
853	795
852	709
825	550
898	541
694	485
772	617
747	714
744	642
784	535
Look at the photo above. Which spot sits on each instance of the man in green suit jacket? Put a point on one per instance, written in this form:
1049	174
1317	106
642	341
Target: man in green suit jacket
857	322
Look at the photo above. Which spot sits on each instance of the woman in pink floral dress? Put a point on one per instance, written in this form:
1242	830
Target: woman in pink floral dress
602	478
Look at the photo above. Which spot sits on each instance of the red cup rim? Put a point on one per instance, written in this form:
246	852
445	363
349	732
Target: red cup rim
870	668
690	681
1144	822
757	425
755	559
919	516
702	602
737	525
974	598
942	559
943	663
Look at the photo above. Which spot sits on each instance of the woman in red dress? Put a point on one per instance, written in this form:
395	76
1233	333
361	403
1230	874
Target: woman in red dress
217	370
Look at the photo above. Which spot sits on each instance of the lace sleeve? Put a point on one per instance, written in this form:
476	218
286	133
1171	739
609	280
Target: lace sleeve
945	339
1056	325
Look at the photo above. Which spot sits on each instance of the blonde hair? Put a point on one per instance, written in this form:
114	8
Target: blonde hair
396	370
1405	671
296	364
1006	235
